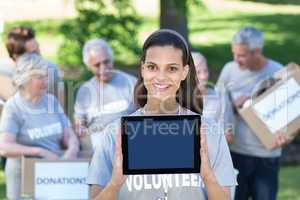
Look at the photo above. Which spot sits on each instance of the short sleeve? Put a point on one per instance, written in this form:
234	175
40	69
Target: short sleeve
101	165
10	122
223	167
219	155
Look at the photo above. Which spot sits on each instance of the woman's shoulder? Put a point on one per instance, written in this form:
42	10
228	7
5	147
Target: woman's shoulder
110	131
206	119
186	111
138	112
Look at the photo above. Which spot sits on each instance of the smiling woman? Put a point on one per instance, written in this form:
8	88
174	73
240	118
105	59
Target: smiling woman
166	85
167	75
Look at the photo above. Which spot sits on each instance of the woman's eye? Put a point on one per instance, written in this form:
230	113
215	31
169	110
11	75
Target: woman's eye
173	69
151	67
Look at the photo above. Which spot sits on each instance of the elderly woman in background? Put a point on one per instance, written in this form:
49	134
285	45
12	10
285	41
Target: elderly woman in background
33	123
105	97
215	100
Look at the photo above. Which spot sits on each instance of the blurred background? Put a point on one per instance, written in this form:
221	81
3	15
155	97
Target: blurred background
62	27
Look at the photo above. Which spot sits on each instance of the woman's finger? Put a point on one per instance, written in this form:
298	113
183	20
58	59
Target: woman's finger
118	154
118	142
203	133
203	148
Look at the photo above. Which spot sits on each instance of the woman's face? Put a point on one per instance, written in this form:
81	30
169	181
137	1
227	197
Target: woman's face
202	73
32	46
163	71
37	85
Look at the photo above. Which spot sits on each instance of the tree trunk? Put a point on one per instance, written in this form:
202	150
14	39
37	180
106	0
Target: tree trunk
172	17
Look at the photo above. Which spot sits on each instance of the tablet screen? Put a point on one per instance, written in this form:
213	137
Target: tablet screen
160	144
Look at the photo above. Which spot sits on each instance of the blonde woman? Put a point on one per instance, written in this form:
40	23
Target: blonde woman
33	123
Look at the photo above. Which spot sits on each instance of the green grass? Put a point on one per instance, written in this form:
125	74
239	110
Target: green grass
2	185
289	184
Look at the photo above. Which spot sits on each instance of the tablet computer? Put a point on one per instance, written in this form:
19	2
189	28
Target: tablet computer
161	144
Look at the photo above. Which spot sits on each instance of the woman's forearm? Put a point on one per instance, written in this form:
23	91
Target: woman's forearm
215	191
8	149
108	193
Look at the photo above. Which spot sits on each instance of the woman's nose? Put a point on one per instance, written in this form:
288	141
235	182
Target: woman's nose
161	75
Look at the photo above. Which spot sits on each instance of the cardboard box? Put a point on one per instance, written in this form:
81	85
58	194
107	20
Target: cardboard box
277	109
59	179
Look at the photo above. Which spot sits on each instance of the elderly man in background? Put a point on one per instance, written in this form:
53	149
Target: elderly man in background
258	167
105	97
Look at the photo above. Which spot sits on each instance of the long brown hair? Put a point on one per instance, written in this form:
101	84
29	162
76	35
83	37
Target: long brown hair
16	39
188	95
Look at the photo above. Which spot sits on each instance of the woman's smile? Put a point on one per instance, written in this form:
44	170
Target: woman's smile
161	86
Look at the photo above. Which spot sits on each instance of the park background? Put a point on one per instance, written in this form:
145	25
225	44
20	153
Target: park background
62	26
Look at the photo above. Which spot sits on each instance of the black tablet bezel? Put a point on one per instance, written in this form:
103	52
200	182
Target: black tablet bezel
197	161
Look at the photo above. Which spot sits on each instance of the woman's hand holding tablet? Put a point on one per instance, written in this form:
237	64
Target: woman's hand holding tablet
118	179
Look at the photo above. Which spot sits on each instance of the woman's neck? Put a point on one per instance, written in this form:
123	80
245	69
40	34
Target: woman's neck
30	97
157	106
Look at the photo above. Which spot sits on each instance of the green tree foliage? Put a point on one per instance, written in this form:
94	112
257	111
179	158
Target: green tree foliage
113	20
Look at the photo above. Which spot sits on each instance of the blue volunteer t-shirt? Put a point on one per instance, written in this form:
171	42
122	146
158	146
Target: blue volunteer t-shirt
37	125
172	186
